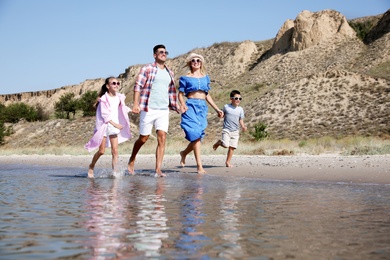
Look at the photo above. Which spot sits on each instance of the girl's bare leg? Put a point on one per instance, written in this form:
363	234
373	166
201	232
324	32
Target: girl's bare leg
96	157
114	152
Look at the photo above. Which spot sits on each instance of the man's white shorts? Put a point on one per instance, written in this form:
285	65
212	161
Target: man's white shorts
159	118
230	139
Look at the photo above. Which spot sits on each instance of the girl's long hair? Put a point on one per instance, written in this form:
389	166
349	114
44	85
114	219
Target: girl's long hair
103	90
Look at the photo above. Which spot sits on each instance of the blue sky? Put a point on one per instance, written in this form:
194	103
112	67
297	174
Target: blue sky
47	44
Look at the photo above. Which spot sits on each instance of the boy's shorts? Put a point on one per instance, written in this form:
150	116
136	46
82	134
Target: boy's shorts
159	118
230	139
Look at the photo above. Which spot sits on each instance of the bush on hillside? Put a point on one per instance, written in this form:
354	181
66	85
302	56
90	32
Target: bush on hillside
260	132
361	28
87	103
16	111
65	106
4	131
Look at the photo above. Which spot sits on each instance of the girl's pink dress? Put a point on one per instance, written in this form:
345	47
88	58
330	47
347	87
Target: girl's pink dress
103	116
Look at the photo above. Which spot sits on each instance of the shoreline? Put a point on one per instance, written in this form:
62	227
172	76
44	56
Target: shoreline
374	169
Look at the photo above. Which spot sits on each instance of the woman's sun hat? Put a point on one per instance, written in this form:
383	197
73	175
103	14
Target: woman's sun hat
194	55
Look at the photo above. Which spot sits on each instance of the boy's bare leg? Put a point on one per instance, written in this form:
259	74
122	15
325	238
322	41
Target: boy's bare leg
161	137
229	156
137	146
217	144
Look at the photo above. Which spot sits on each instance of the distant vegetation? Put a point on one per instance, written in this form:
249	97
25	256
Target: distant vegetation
15	112
361	28
260	132
68	105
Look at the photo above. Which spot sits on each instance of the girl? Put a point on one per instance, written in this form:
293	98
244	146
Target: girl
112	121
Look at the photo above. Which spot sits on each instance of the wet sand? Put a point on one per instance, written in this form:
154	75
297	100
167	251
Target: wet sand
327	168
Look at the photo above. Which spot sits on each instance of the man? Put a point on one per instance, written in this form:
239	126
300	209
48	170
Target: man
154	96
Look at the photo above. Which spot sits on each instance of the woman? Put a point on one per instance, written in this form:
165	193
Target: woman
112	122
195	86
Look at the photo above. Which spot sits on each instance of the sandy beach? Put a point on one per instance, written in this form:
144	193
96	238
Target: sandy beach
326	168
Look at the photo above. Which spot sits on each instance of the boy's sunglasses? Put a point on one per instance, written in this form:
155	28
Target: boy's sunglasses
236	98
163	52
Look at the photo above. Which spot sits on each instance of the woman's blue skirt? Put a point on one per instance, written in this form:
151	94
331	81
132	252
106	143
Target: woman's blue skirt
194	120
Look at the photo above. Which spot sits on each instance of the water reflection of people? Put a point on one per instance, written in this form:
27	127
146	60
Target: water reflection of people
192	217
125	223
106	221
152	222
229	222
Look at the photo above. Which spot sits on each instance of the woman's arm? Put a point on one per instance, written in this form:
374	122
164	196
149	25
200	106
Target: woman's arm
210	100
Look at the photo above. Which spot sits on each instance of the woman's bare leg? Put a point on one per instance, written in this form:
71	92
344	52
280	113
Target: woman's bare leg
184	153
197	152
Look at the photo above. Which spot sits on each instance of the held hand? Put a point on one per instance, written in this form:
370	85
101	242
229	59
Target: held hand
244	128
135	110
119	126
183	109
220	113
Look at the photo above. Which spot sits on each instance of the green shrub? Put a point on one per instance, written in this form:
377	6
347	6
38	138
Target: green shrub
4	131
16	111
65	106
260	132
361	28
87	103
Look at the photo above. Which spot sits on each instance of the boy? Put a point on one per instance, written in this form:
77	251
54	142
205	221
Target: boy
233	119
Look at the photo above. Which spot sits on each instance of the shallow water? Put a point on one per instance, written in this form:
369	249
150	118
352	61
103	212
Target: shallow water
56	212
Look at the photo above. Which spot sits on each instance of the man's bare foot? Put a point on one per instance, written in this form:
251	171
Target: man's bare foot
201	170
182	159
90	172
130	168
229	165
216	145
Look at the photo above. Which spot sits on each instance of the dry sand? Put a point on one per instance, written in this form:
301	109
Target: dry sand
327	168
